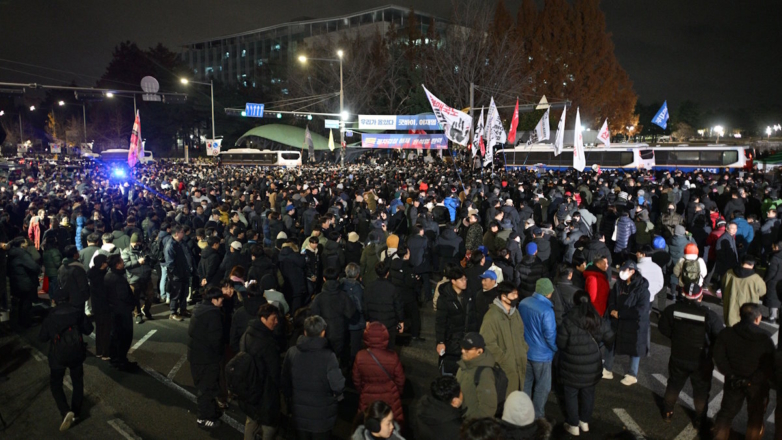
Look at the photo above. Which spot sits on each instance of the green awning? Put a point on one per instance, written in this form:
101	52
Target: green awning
290	136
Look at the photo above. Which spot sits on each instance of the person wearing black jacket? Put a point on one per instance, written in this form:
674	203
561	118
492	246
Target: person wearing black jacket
260	264
253	300
692	329
23	276
456	316
259	342
209	266
564	291
401	275
122	303
336	307
381	302
421	258
101	311
139	273
293	266
438	415
72	277
58	328
204	352
744	353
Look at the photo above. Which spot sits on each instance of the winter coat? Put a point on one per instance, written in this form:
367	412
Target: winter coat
420	254
644	232
98	299
243	317
456	316
371	381
691	340
205	331
740	286
452	204
503	333
474	237
353	251
483	300
540	325
436	420
745	233
73	281
595	249
312	383
580	360
676	246
292	267
86	254
63	316
381	302
653	274
336	307
449	248
529	271
726	254
632	326
401	275
81	221
745	351
118	293
369	259
209	267
362	433
22	271
773	277
333	256
355	292
480	401
52	259
137	273
260	343
625	228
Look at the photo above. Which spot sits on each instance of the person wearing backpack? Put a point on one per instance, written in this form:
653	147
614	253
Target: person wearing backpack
204	352
540	332
63	329
477	375
259	372
690	269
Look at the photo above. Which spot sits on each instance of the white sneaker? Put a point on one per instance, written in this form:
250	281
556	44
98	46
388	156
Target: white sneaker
584	427
168	300
629	380
607	374
67	421
572	430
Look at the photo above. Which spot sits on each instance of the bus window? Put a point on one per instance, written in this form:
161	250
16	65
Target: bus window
712	158
730	157
647	154
290	156
626	158
687	157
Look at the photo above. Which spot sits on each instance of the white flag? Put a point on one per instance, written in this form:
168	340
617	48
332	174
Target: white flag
579	161
543	129
559	141
456	124
496	133
604	135
477	139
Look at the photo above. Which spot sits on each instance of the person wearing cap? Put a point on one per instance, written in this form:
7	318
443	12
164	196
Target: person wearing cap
486	294
456	315
540	333
628	310
205	352
530	270
740	286
139	274
476	377
503	332
233	258
668	221
692	328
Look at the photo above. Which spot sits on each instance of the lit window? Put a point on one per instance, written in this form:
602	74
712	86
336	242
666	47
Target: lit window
244	52
245	83
276	47
208	70
227	54
284	91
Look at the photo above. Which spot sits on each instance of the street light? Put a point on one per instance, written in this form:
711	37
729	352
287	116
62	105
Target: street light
720	131
32	108
61	103
112	95
186	81
109	95
343	114
768	132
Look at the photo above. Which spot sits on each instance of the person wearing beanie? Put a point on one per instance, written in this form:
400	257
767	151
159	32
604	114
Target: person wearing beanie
519	421
540	333
139	273
691	344
392	244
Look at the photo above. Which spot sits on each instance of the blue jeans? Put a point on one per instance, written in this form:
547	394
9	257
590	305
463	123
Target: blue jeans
609	362
537	385
54	288
163	279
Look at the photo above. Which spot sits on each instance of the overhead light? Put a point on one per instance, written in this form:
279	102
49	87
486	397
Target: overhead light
32	108
184	81
109	95
345	115
340	53
61	103
302	58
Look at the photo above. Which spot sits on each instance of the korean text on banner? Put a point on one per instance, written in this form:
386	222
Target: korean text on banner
455	123
495	132
662	116
405	141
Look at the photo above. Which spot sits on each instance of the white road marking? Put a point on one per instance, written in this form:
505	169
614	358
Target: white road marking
719	376
714	405
775	337
37	355
67	382
173	372
629	422
689	433
123	429
189	396
141	341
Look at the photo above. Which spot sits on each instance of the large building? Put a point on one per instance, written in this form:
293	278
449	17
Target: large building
236	58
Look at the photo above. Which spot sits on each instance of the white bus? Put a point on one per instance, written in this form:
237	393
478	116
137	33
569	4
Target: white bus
121	155
626	156
267	158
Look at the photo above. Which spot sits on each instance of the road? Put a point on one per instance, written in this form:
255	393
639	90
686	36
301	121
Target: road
158	402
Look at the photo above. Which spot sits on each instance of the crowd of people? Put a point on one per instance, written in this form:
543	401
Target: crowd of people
305	282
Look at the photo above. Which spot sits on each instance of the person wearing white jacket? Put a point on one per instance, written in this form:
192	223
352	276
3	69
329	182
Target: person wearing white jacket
653	274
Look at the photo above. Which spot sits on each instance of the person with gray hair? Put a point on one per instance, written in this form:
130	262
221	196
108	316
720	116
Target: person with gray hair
312	382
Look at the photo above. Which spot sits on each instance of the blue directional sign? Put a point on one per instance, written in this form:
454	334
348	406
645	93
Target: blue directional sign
253	110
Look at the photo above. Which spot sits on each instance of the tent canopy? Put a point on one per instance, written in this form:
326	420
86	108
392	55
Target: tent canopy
289	136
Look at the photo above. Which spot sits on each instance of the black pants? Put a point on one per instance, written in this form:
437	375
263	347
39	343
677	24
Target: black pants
412	319
56	376
306	435
700	378
206	378
756	396
121	338
103	325
24	309
356	343
177	292
579	404
143	297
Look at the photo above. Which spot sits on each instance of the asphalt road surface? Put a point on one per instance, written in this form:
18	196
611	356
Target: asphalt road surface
158	402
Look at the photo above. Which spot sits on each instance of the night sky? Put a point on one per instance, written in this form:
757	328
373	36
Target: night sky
721	53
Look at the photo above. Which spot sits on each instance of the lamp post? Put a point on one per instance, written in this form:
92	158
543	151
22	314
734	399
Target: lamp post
343	115
111	95
212	97
720	131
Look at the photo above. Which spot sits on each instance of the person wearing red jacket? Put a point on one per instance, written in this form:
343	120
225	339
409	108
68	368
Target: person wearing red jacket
378	373
596	283
711	241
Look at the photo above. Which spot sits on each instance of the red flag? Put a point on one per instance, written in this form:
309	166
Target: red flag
514	123
135	142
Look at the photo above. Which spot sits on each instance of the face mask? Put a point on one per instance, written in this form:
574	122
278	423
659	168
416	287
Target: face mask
624	275
515	303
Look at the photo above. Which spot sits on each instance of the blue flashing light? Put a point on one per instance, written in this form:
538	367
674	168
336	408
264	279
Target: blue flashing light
119	173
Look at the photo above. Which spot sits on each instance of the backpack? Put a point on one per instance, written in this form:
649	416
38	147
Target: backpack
68	346
156	250
500	384
244	376
691	272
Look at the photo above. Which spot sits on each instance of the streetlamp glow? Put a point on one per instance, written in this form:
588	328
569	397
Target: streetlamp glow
340	53
32	108
62	103
2	113
345	115
184	80
109	95
302	59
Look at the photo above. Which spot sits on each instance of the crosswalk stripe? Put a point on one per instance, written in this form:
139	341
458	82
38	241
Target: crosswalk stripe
141	341
629	422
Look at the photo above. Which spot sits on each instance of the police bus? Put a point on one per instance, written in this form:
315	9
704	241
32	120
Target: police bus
266	158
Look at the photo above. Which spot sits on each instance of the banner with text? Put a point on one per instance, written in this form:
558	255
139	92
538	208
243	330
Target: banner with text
213	147
397	122
422	141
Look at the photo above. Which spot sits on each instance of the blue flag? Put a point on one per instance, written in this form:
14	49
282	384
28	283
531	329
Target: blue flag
662	116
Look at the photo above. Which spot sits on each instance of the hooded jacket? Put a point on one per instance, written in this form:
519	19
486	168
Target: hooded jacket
371	381
625	228
740	286
209	267
436	420
479	401
63	316
529	271
259	342
456	316
381	302
540	325
243	317
336	307
73	281
503	333
745	351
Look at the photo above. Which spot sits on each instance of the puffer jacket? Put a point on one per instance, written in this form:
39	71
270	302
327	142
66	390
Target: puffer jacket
456	316
369	259
596	284
632	303
436	420
529	271
449	248
333	256
292	266
22	271
580	360
540	327
676	246
205	345
52	259
336	307
372	382
80	222
260	343
625	228
452	204
474	237
73	281
401	275
137	273
381	302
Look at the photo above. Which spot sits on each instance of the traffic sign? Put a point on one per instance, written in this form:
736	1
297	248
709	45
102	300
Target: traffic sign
348	133
253	110
332	123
